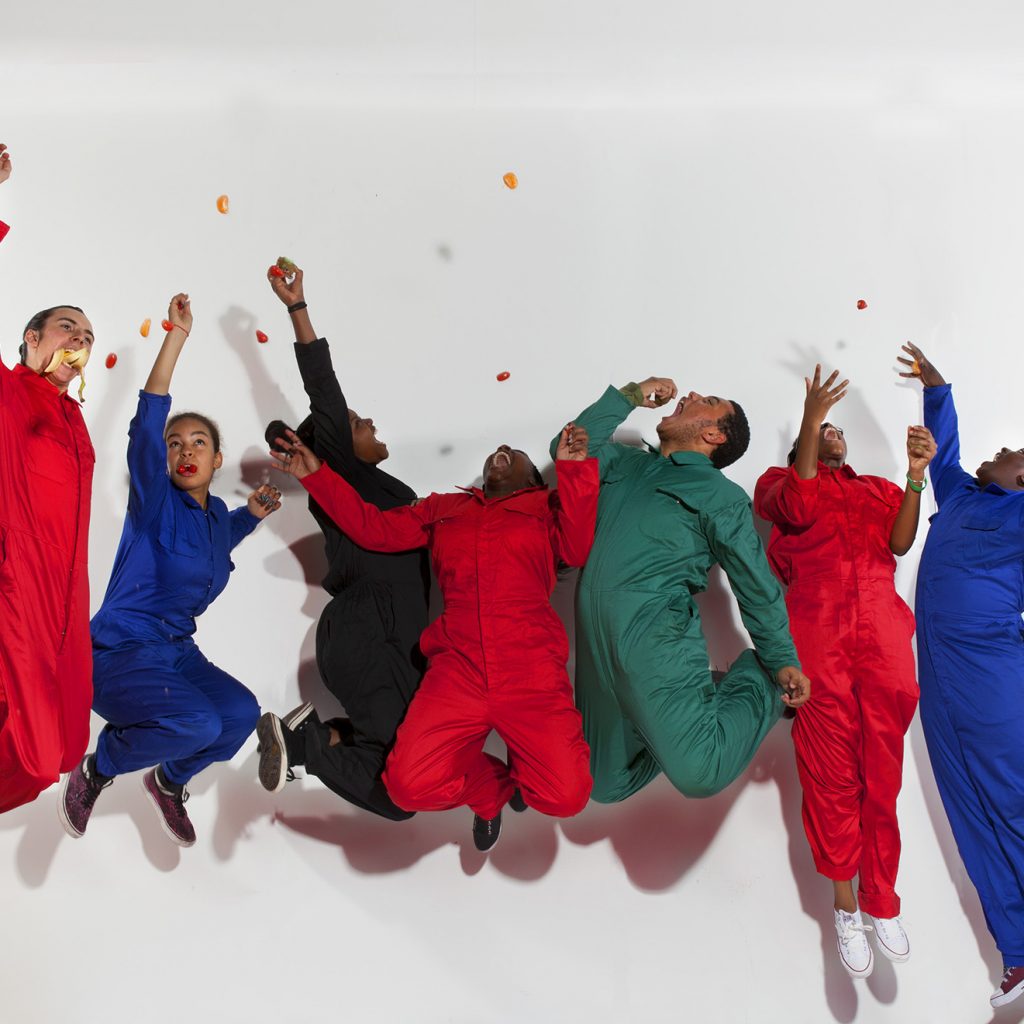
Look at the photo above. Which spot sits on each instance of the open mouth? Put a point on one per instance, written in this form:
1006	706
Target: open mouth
187	469
501	458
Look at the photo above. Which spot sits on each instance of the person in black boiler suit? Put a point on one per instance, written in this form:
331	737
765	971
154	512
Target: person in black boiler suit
367	639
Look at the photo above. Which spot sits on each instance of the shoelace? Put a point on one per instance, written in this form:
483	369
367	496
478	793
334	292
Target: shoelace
850	927
93	790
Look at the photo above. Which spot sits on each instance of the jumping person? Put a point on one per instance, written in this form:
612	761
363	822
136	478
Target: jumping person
367	639
46	465
833	541
642	679
970	596
497	655
167	708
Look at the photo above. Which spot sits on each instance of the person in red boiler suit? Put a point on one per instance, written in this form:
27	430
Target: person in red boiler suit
833	540
46	464
497	654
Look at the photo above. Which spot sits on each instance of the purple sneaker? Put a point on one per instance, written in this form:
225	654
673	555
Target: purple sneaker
171	808
78	794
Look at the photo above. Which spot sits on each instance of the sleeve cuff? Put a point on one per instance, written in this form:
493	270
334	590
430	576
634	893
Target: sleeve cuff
632	393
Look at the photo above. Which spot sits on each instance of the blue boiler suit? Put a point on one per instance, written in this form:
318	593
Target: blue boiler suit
970	595
163	701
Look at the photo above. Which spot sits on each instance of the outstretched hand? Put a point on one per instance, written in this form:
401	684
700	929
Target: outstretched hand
821	397
657	391
920	366
5	163
264	500
573	443
296	459
288	291
795	686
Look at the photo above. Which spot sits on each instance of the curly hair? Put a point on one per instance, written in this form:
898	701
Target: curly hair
737	437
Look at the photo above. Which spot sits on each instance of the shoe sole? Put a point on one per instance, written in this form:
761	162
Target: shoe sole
1007	997
851	971
273	766
168	831
62	814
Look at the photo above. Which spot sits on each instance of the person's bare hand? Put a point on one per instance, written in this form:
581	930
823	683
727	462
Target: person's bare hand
296	459
264	500
5	163
179	312
821	397
921	449
573	444
288	291
795	686
920	366
657	391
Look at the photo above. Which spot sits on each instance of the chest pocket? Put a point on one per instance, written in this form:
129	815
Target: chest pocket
175	538
985	521
50	455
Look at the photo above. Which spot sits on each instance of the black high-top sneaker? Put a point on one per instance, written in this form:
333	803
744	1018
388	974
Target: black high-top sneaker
281	746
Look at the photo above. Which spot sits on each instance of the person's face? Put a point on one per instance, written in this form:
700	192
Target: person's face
508	469
64	328
364	439
191	460
1005	468
831	444
693	414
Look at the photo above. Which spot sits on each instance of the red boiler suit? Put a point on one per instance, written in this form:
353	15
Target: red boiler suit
46	464
830	546
497	654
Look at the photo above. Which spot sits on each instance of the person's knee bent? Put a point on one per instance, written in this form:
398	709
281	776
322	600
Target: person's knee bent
238	723
406	789
566	801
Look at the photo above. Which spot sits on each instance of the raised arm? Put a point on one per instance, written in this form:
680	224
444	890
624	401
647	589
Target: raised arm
940	418
397	529
603	418
5	173
327	405
920	452
574	503
179	316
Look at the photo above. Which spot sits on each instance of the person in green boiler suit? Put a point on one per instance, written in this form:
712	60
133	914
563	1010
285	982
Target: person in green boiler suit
643	684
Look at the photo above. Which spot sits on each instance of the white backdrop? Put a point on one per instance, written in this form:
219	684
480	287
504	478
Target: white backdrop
703	194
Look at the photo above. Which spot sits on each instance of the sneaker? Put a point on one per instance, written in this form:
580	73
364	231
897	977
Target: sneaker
852	943
517	803
170	805
78	793
892	939
1010	987
279	747
486	831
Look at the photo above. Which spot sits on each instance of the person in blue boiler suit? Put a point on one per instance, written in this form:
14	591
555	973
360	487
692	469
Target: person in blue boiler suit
970	597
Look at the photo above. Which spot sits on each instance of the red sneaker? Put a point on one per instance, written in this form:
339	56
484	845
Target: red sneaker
1010	987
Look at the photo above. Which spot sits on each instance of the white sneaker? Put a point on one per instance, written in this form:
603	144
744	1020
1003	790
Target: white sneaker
892	939
852	943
